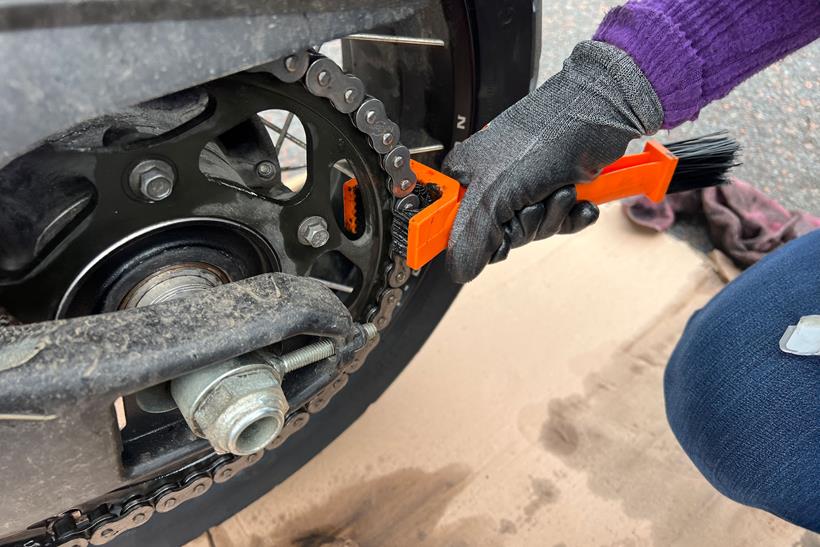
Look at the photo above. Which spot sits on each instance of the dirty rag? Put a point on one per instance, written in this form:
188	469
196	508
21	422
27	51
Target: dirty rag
743	222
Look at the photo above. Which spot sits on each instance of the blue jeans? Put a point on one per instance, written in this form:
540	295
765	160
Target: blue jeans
747	414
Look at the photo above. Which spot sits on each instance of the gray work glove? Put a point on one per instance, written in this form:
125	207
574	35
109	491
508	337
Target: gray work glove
521	168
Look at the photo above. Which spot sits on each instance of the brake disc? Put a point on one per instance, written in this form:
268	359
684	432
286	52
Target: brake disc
133	506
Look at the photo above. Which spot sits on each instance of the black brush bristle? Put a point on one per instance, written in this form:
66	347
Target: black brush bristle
427	194
703	161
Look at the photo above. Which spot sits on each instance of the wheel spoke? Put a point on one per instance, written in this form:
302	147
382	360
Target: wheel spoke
332	285
401	40
283	132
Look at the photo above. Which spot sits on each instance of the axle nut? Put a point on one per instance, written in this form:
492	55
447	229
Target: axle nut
239	407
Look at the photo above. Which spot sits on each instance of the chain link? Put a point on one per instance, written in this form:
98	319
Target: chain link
324	78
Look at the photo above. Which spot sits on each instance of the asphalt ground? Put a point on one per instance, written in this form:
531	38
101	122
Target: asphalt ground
773	114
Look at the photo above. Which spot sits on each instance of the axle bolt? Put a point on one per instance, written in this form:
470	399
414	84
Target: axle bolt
313	232
152	180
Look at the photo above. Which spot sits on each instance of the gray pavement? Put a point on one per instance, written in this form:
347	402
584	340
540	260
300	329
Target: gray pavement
773	114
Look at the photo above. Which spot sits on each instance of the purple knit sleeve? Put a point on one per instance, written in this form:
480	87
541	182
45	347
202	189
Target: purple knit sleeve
696	51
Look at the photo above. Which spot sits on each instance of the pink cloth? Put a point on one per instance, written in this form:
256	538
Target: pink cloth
743	222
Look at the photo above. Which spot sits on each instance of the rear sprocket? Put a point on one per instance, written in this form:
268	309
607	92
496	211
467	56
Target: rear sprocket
234	208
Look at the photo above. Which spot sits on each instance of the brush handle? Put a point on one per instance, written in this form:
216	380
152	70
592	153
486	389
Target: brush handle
648	173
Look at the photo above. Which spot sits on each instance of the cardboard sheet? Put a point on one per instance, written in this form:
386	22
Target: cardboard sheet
533	416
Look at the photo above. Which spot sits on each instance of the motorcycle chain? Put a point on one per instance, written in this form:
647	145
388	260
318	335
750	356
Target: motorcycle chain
323	78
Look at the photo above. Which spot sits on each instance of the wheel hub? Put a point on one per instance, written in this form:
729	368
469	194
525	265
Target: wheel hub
180	255
172	282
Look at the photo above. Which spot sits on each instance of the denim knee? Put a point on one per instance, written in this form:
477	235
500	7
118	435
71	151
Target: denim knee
747	414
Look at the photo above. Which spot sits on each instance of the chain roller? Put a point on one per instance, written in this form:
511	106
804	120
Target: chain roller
325	79
133	515
397	165
321	399
372	120
398	272
359	358
229	470
382	316
289	69
383	134
193	487
293	423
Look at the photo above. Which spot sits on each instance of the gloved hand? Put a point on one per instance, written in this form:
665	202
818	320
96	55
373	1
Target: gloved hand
519	170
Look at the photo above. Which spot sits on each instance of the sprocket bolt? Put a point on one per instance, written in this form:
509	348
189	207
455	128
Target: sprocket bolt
313	232
152	180
265	169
